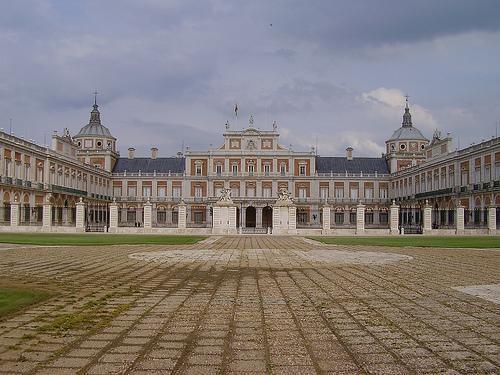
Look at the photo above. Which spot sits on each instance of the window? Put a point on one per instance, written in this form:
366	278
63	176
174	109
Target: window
497	171
267	169
218	169
198	192
302	193
402	146
250	169
487	173
352	217
117	191
218	191
146	191
132	191
250	192
384	217
369	217
383	193
161	216
302	217
176	192
465	177
302	170
354	193
235	192
369	193
266	192
131	215
477	175
198	217
162	191
235	169
339	192
323	193
282	169
198	169
339	218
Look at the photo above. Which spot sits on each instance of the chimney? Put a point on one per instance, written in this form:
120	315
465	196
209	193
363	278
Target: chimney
154	152
131	152
348	153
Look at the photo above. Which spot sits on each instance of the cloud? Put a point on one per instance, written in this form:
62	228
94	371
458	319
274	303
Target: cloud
388	102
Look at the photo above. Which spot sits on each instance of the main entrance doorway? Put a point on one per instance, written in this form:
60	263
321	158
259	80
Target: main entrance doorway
250	217
267	217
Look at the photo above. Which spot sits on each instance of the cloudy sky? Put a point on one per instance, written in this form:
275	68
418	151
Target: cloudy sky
331	73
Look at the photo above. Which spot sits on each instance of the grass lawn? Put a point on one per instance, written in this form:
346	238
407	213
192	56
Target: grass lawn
416	241
88	239
12	300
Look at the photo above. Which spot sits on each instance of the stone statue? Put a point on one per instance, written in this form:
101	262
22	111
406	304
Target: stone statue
284	197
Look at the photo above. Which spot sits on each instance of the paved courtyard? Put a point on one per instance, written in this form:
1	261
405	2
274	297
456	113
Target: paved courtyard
253	305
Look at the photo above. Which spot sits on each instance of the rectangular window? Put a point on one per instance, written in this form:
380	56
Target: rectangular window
352	217
250	169
302	170
487	173
235	192
132	191
339	193
162	191
198	192
117	191
235	169
198	170
131	216
218	191
266	192
354	193
161	216
283	169
369	193
302	193
176	192
146	191
369	217
218	169
383	193
250	192
323	193
383	217
477	175
267	169
339	218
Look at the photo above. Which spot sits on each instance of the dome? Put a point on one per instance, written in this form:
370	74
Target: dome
407	131
94	127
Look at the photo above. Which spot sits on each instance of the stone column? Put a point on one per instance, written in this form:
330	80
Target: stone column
360	218
460	219
80	216
258	217
394	218
232	220
292	219
14	214
326	219
492	220
148	215
427	218
47	215
181	223
113	216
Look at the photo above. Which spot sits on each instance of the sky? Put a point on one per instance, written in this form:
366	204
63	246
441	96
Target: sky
331	73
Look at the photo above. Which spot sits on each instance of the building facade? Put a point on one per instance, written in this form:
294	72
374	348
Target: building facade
82	183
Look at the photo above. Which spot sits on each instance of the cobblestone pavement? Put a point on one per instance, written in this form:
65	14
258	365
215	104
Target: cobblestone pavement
252	304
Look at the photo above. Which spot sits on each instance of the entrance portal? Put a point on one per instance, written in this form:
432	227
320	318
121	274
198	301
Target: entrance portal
267	217
250	216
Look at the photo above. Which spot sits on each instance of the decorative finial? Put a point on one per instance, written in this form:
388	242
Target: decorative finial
407	97
95	97
275	126
250	121
407	115
227	125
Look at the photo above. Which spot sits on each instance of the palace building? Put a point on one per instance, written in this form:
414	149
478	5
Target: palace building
249	184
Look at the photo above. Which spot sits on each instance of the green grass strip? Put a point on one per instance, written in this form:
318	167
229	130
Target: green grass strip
92	239
484	242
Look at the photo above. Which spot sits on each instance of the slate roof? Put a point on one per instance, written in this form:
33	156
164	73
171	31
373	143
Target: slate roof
148	165
407	133
93	129
341	165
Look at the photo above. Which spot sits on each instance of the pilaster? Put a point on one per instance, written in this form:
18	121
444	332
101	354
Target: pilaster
394	218
14	214
360	218
80	216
